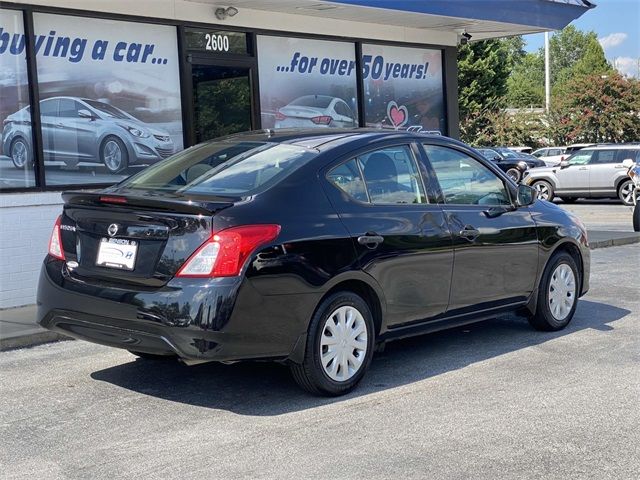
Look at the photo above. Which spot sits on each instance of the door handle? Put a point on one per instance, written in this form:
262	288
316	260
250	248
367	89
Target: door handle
470	233
370	241
59	125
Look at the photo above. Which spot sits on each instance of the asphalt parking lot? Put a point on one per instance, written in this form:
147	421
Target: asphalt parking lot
494	400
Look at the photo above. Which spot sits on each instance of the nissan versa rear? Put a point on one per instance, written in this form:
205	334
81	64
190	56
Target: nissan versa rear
309	249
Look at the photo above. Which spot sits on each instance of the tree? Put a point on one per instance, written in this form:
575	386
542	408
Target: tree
525	86
597	108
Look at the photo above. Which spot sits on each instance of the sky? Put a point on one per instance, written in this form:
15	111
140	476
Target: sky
617	24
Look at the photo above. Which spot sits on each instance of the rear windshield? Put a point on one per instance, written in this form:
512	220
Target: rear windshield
317	101
222	168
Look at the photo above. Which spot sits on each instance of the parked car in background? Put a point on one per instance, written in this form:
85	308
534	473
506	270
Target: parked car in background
571	149
521	149
513	163
551	156
308	248
83	130
316	110
591	172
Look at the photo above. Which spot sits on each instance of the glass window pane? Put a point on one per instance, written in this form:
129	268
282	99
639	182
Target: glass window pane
605	156
391	176
464	180
16	148
302	81
580	158
109	97
348	179
403	88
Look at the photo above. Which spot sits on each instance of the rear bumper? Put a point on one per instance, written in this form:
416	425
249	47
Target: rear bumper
195	321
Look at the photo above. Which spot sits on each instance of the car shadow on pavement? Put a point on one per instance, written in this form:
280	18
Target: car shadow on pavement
266	389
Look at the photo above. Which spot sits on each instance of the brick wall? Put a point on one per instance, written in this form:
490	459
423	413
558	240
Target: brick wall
26	220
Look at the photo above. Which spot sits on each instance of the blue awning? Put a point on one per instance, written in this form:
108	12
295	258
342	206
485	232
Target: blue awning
539	14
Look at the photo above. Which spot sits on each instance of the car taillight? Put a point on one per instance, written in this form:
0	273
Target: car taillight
280	115
55	242
108	199
226	252
322	120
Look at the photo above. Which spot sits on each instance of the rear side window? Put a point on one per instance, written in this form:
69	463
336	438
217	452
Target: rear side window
391	176
604	156
348	179
222	168
464	180
49	108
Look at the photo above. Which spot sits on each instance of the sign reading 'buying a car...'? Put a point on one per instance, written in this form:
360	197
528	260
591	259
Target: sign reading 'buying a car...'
121	72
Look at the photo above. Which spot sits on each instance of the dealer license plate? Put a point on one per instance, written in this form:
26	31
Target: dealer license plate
117	253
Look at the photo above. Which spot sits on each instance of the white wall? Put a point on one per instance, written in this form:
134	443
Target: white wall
26	221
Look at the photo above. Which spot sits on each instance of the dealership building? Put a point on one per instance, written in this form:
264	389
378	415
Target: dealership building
88	97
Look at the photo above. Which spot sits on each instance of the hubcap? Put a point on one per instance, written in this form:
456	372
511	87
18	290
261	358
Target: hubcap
562	291
19	154
344	343
112	155
626	192
543	191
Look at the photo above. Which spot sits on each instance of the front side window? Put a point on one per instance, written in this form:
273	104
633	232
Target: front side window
391	176
464	180
580	158
68	108
222	168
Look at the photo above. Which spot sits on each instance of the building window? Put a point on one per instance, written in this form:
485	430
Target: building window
16	148
307	83
109	97
403	88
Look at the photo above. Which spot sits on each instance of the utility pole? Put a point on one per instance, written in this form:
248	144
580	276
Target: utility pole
547	73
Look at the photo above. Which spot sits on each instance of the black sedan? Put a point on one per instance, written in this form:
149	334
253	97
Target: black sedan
513	163
309	248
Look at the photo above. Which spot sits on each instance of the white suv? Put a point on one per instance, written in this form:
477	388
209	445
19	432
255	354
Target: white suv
551	156
594	172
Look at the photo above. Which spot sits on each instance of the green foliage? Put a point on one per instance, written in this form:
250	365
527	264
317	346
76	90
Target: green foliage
501	128
525	86
596	108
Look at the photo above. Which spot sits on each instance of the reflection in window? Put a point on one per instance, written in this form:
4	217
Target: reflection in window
16	151
464	180
348	179
391	176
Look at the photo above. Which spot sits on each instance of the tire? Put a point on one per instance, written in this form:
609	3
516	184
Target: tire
636	217
560	281
114	155
544	189
150	356
20	153
626	190
569	199
341	308
514	174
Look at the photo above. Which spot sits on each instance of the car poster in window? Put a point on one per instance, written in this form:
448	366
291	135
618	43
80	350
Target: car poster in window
109	96
16	153
307	83
403	88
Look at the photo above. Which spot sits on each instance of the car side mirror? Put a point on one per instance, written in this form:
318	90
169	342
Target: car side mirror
628	163
564	164
84	113
526	196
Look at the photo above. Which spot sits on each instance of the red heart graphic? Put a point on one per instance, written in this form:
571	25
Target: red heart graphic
397	115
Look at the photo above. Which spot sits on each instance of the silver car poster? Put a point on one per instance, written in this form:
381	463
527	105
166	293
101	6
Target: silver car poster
307	83
403	88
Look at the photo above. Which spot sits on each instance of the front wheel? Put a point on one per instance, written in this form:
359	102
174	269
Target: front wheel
20	153
544	189
339	346
113	154
626	192
557	294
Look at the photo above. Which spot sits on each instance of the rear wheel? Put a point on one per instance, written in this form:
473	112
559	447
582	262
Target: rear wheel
114	154
339	346
20	153
557	294
626	192
544	189
514	174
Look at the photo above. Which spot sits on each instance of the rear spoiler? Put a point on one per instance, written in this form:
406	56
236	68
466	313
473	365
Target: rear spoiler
149	202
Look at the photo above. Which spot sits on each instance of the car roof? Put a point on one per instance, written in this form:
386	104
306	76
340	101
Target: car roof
325	139
613	146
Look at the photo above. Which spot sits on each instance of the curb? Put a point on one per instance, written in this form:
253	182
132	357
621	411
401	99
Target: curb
614	242
31	340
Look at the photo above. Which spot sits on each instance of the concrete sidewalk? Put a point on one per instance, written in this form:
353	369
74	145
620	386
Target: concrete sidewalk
18	327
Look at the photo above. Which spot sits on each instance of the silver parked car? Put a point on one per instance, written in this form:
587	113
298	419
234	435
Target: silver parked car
316	111
593	172
82	130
